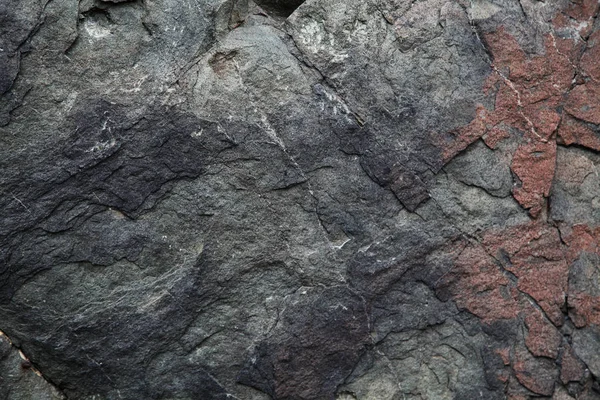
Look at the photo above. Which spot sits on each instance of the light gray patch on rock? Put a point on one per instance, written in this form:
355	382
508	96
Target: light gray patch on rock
482	167
575	195
586	343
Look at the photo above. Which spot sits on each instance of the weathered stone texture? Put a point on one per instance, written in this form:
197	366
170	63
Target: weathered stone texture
285	199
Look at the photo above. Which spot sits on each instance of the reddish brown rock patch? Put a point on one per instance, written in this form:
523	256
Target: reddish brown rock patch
580	238
543	339
478	285
536	257
523	272
540	101
543	97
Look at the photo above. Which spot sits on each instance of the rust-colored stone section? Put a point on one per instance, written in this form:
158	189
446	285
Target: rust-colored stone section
549	97
578	12
494	136
522	272
535	255
532	254
477	284
580	238
525	273
543	339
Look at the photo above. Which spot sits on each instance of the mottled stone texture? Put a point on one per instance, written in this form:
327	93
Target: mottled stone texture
328	199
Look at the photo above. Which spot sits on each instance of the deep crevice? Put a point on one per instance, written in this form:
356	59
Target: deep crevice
279	8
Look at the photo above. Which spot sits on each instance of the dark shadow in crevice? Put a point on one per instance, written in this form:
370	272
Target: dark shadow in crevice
99	15
279	8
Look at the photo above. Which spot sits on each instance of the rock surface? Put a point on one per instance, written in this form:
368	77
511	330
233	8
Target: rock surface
328	199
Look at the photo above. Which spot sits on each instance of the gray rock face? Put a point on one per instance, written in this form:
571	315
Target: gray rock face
19	379
374	199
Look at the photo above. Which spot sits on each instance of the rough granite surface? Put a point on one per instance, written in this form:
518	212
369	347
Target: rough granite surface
286	199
